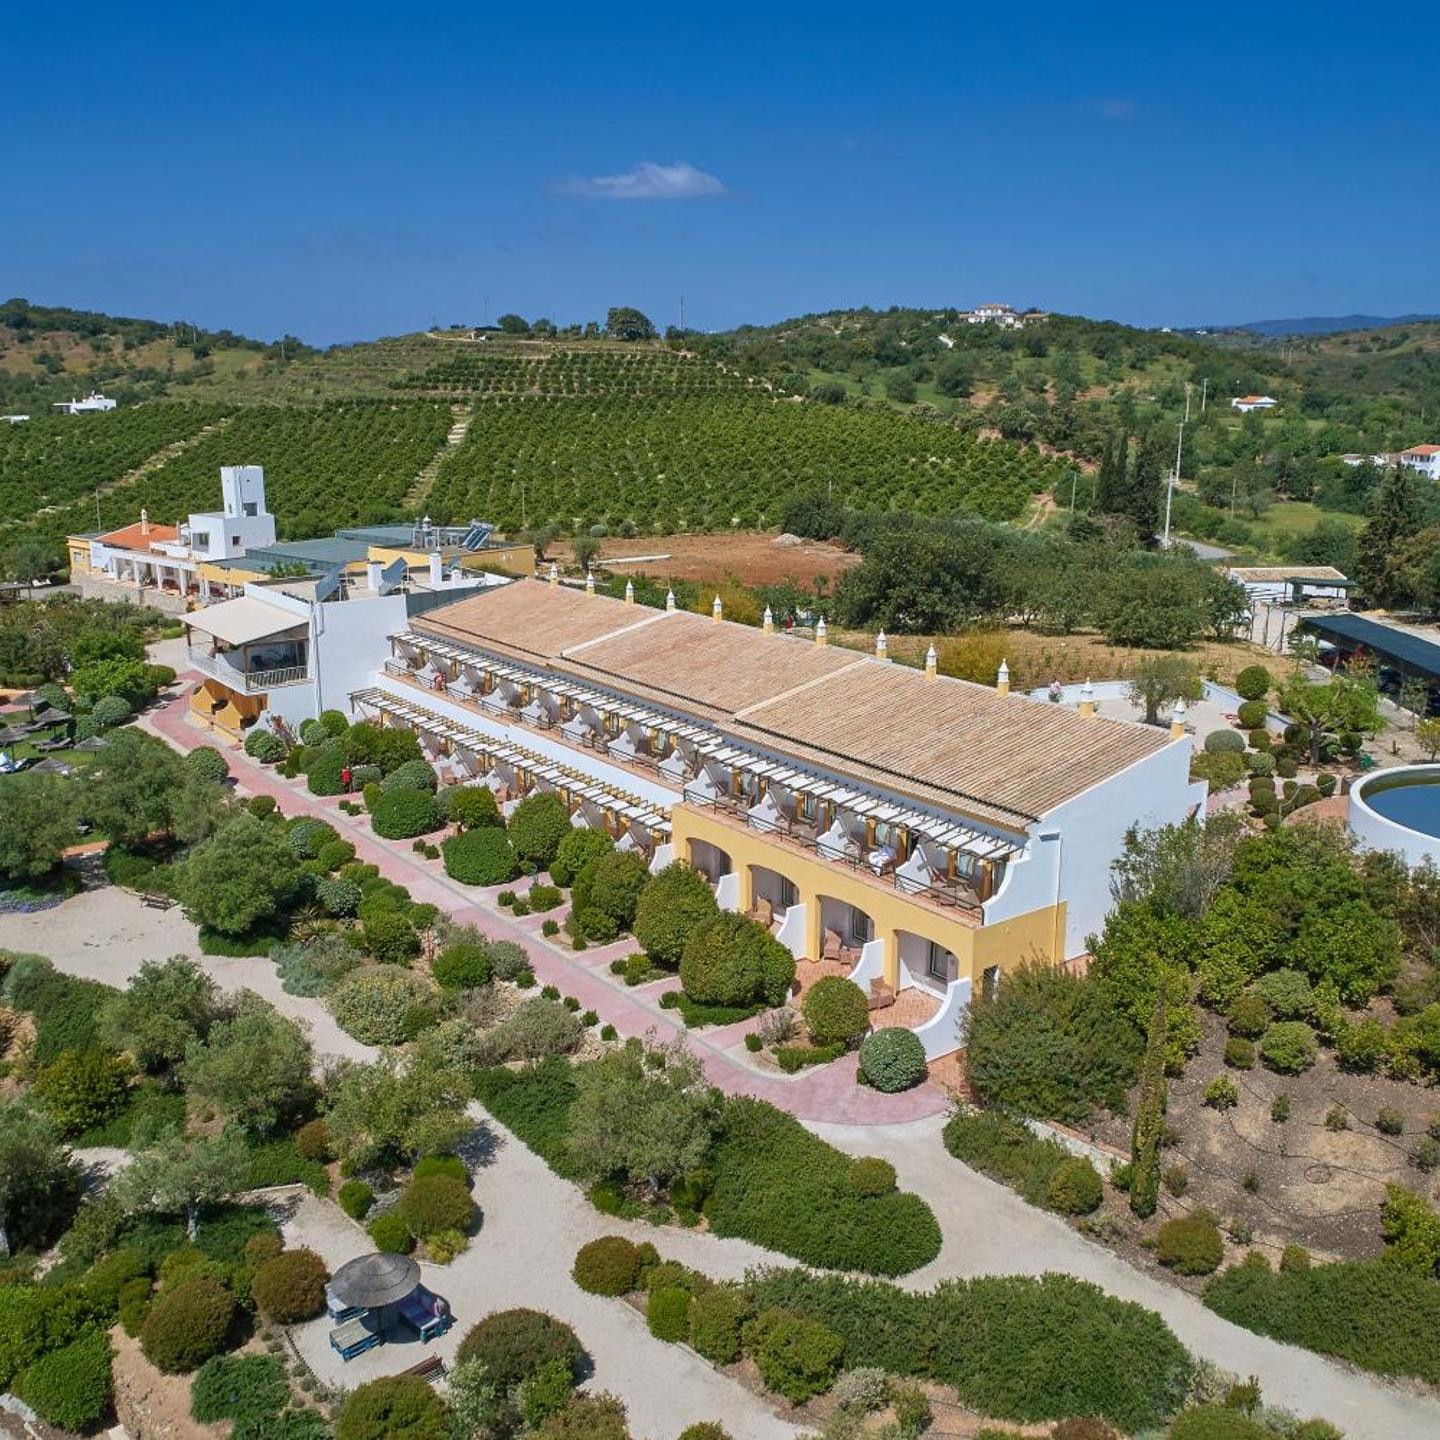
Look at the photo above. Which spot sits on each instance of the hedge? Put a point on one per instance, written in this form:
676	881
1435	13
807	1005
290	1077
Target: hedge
796	1357
534	1102
244	1388
667	1313
892	1059
70	1387
1006	1149
786	1189
480	857
403	814
1015	1347
1376	1315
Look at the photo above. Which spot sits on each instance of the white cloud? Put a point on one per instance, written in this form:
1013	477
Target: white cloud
649	181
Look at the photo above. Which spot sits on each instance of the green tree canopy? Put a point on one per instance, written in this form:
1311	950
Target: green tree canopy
254	1069
39	1181
37	822
131	789
163	1009
243	875
177	1175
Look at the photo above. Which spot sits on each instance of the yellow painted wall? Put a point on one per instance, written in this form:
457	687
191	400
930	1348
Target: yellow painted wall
230	575
976	947
79	556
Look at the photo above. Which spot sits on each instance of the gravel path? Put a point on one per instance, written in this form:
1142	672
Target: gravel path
106	934
989	1230
533	1224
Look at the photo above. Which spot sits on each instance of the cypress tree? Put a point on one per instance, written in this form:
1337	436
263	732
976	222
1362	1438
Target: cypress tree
1396	513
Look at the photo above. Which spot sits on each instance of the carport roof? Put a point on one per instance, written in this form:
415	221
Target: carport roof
1352	632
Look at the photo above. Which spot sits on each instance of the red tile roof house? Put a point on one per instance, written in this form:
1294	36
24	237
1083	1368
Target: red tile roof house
1424	458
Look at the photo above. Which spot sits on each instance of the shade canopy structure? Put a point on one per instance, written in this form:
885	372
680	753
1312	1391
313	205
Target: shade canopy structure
370	1281
90	744
11	733
243	621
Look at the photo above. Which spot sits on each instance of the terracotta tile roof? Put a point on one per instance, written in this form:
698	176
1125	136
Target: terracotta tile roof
1422	450
131	537
960	746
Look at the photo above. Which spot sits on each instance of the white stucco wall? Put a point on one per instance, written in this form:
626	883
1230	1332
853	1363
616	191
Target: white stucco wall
1377	832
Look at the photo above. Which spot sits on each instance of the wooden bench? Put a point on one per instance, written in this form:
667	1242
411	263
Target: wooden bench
430	1368
156	901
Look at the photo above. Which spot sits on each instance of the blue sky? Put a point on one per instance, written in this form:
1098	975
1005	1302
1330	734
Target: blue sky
346	172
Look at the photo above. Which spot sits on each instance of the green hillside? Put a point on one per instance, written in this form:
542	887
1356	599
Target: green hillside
901	409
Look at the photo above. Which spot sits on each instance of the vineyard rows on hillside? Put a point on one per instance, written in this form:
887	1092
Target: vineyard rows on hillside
706	462
345	463
55	459
573	372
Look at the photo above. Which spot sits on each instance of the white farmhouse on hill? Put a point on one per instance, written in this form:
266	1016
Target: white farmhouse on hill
1424	458
1246	403
93	401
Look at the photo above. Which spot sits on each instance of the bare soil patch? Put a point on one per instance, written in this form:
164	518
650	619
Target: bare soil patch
753	557
152	1406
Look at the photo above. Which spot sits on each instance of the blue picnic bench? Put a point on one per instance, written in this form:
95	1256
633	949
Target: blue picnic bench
355	1336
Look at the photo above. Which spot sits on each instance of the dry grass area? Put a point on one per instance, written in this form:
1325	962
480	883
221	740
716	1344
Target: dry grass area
152	1406
1036	659
753	557
1299	1181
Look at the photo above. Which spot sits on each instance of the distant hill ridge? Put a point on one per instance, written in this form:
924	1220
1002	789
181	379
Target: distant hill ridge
1326	324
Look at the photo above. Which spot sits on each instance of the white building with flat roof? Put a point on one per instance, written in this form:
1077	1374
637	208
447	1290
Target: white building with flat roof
93	401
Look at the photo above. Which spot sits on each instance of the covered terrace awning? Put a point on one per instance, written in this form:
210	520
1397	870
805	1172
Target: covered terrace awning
244	621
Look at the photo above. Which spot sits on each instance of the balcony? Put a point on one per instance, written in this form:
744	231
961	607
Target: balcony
952	897
248	681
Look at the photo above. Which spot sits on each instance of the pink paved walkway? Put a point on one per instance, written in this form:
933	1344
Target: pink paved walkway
829	1093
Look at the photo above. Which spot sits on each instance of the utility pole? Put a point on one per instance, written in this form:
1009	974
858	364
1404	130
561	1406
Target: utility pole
1170	488
1204	388
1187	402
1074	476
682	312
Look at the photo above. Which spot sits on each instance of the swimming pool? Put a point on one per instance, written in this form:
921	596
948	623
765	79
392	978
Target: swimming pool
1399	810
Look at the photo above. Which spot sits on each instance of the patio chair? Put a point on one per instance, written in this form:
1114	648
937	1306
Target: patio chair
832	949
426	1314
355	1337
763	913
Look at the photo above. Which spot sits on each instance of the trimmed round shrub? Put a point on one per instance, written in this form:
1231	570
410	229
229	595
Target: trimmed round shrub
1224	742
1190	1245
110	710
1240	1053
1261	765
391	1234
731	960
704	1430
672	903
871	1176
797	1358
305	835
1251	714
1253	683
537	826
576	851
403	814
667	1313
185	1326
412	775
239	1387
108	1277
338	896
291	1287
836	1011
435	1202
334	722
264	746
1288	994
473	807
717	1318
356	1199
261	806
391	938
1288	1047
892	1059
312	732
1074	1187
480	857
334	854
1249	1016
322	769
371	1004
465	966
607	892
398	1406
607	1266
70	1387
207	761
513	1344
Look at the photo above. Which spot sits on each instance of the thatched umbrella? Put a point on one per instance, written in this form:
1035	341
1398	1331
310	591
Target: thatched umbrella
370	1282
